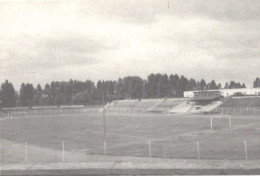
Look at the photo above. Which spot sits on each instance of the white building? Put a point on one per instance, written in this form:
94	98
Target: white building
228	92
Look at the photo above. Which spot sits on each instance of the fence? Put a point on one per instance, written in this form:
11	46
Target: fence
68	111
219	110
126	110
50	111
238	110
196	150
85	110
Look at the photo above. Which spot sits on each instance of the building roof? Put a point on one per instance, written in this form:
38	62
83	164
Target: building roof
227	90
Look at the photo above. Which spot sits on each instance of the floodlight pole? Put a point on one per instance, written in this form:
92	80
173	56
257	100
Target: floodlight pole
104	122
104	118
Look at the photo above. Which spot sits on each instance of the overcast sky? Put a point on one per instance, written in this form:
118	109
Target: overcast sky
41	41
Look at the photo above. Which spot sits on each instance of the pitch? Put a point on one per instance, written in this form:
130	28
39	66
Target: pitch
129	135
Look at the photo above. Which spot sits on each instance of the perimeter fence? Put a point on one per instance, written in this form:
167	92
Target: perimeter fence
65	151
237	110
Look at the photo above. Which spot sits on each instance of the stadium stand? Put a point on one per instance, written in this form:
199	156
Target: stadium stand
166	105
49	110
210	107
242	102
121	105
14	111
185	109
19	109
72	106
195	109
145	104
240	105
124	103
178	107
133	105
148	103
44	107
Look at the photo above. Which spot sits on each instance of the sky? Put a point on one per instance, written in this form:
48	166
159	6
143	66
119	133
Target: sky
42	41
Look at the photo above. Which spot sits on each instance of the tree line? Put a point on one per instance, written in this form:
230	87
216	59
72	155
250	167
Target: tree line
75	92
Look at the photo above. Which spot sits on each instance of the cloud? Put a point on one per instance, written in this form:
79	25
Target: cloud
142	12
45	40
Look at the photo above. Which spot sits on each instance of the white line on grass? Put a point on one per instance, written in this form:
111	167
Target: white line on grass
111	147
81	132
113	134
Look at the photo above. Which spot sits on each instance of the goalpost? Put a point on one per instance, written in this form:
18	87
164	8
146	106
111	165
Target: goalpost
220	117
18	114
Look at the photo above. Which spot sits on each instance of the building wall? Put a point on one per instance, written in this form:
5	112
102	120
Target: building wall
228	92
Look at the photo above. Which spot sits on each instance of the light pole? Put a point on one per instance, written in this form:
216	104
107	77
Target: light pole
104	123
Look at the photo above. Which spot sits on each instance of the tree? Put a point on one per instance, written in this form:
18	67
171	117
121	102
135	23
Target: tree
26	94
105	89
234	85
226	85
67	93
182	85
86	92
219	86
192	85
163	86
39	90
152	86
174	81
212	85
7	94
82	98
202	84
38	95
119	89
100	91
145	90
256	82
136	87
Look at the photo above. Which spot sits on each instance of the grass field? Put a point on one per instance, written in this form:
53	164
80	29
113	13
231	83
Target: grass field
171	136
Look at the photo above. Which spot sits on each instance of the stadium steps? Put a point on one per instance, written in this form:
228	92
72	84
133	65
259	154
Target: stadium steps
185	109
210	107
166	105
147	103
178	107
154	107
122	105
195	109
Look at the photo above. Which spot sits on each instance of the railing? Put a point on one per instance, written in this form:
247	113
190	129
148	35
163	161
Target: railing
66	151
237	110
